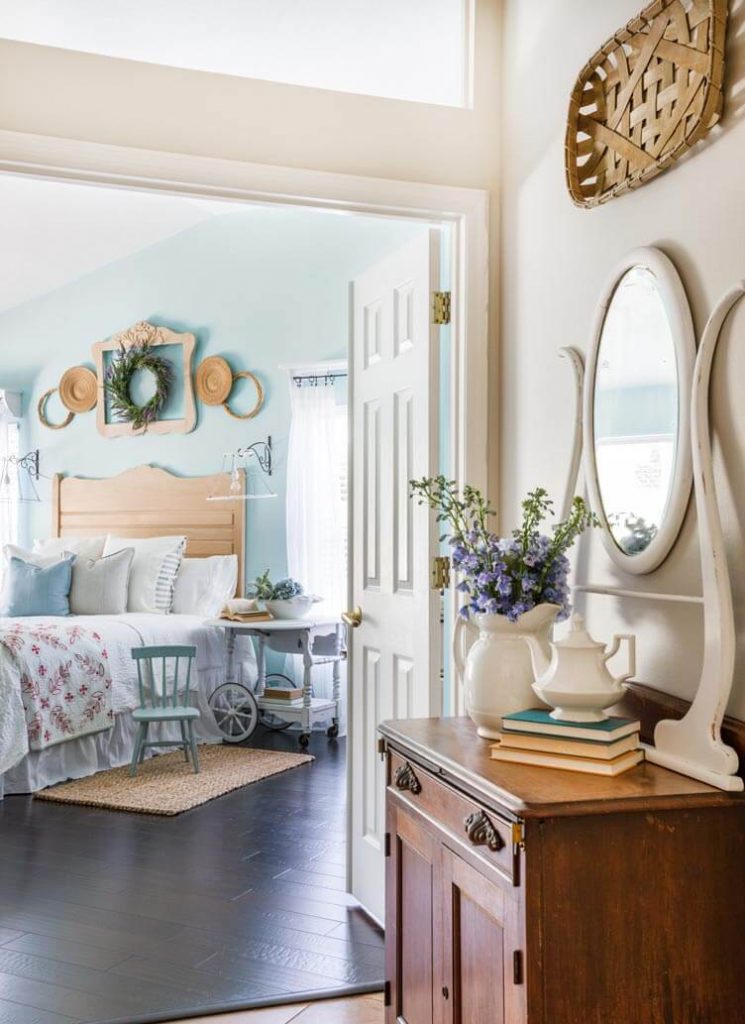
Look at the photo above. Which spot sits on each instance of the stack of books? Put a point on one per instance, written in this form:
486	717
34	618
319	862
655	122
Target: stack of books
598	748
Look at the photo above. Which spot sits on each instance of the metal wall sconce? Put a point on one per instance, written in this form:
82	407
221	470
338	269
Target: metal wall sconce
27	472
260	453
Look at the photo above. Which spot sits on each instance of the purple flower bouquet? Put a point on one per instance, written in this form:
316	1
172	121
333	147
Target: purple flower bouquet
505	575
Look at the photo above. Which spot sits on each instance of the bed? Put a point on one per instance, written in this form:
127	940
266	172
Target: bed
70	716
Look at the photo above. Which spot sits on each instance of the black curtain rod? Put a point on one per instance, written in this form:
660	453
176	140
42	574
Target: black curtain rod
314	378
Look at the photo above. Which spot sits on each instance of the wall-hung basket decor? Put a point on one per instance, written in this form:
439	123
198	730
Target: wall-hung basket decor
215	381
258	404
78	392
41	410
163	354
646	97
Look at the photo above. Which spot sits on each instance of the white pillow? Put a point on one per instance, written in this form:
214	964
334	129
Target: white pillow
205	585
100	586
156	564
54	547
32	557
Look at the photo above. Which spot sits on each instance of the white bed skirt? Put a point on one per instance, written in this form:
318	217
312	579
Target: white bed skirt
110	749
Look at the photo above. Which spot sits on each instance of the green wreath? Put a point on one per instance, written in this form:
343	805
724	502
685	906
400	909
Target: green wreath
118	378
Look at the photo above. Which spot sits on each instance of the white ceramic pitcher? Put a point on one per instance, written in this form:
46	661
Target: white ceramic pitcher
497	671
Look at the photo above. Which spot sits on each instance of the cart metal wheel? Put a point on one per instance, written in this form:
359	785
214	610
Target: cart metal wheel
267	719
304	739
236	711
333	730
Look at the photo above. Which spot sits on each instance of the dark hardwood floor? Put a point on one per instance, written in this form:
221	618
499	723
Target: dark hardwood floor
110	916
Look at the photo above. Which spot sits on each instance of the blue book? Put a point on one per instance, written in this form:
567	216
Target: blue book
540	723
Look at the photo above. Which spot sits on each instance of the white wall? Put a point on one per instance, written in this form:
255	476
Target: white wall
556	259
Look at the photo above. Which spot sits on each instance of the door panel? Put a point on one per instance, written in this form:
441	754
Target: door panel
480	940
396	651
412	889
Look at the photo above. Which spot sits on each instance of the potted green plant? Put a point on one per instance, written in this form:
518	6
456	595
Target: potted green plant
285	599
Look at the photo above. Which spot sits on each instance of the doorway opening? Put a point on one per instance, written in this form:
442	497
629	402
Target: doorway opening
295	265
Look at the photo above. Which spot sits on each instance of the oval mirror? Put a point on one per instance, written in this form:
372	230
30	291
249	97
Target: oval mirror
637	398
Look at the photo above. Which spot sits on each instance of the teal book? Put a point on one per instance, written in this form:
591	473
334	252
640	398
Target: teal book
540	723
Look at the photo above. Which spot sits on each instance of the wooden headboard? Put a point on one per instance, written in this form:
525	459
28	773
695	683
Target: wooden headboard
151	502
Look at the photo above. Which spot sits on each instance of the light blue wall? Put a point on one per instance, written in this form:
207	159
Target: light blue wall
262	287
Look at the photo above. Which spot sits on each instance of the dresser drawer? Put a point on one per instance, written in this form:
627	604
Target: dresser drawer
483	832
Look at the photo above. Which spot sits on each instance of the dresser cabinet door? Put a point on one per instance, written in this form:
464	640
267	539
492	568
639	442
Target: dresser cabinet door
411	896
482	969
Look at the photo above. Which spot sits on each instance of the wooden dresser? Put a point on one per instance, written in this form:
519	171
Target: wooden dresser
530	896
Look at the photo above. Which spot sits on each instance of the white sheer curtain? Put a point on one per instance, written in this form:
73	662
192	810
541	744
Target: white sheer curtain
316	501
8	479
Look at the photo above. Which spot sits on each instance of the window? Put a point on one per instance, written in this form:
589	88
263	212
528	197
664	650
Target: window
317	488
9	439
412	50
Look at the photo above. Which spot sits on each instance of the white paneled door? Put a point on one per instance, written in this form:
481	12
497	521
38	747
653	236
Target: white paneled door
396	649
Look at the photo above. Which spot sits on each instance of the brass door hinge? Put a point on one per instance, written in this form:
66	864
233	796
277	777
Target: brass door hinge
387	994
387	845
440	572
518	836
440	307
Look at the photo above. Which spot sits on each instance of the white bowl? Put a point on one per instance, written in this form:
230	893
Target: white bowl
293	608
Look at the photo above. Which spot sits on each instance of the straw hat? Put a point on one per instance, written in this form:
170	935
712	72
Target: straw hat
78	389
214	379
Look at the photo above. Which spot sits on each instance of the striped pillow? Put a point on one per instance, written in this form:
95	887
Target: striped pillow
155	567
166	582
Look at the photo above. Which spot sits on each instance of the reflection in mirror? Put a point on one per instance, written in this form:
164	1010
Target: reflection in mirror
635	411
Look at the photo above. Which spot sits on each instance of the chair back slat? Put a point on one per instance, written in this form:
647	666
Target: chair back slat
140	684
145	659
188	679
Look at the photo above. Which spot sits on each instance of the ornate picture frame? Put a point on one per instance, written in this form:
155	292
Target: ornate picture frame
144	333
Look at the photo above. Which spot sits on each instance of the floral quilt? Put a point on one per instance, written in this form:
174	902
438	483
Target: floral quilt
65	680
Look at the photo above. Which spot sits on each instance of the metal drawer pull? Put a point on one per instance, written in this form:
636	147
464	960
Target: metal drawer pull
481	832
406	779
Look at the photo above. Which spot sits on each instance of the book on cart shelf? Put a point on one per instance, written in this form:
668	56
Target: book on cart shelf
278	693
270	702
538	721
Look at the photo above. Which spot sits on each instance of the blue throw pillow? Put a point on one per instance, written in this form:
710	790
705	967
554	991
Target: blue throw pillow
36	590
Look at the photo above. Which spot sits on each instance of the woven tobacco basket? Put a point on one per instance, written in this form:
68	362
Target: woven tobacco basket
645	98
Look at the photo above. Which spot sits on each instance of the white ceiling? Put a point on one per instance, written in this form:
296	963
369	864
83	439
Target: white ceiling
404	49
53	232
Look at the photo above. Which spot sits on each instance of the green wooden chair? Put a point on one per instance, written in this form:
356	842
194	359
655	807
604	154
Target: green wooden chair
161	700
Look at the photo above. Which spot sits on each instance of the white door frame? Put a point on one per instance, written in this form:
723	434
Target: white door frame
465	209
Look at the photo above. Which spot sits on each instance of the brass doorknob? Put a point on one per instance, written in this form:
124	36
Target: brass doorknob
353	619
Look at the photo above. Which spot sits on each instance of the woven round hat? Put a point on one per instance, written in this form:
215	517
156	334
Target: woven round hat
214	379
78	389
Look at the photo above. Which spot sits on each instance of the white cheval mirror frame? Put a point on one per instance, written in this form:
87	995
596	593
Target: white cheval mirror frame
692	745
678	314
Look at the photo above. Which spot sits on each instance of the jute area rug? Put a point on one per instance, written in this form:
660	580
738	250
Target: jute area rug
166	784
